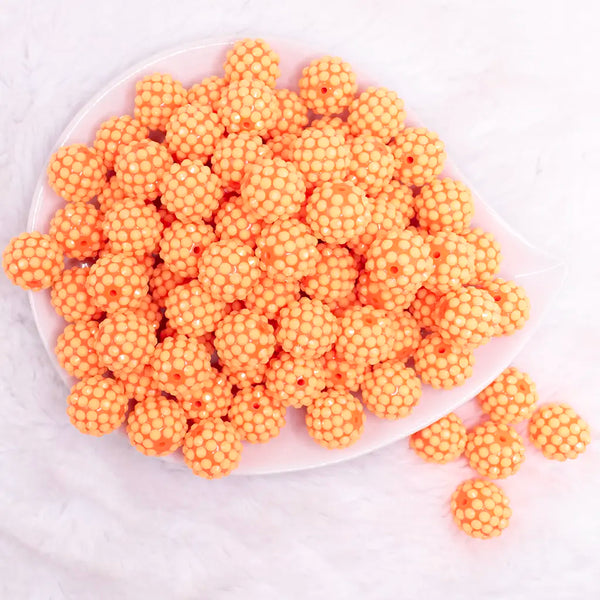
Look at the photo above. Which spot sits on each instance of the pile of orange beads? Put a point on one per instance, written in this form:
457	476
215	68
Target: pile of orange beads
279	250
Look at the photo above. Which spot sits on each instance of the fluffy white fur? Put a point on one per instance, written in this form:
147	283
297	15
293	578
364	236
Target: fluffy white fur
511	88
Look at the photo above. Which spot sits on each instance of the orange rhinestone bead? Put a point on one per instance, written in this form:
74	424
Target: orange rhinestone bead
287	249
243	377
321	155
295	381
133	227
379	295
182	246
207	92
335	419
96	406
480	508
234	154
273	189
280	146
117	281
513	302
487	254
495	450
76	350
341	373
252	59
125	341
140	167
510	398
244	339
444	205
292	116
212	448
157	97
423	307
248	105
192	132
400	259
442	441
191	310
191	191
77	229
419	156
441	365
453	262
337	212
180	363
467	317
267	296
335	274
559	432
306	328
162	281
390	390
33	261
327	85
76	173
234	220
70	298
407	336
228	269
377	111
371	164
257	414
209	399
156	426
115	133
366	335
139	384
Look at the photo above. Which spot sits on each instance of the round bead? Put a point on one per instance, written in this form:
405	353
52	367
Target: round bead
234	220
117	281
33	261
328	85
209	399
453	262
371	164
76	350
212	448
306	328
444	205
559	432
76	173
208	92
268	296
115	133
248	105
321	155
244	339
467	317
513	302
366	334
191	191
228	270
390	390
441	365
252	59
337	212
191	310
77	229
192	132
342	373
157	97
487	254
292	116
379	295
377	111
335	419
480	508
96	406
510	398
419	156
287	249
182	246
442	441
273	189
140	167
133	227
156	426
70	298
257	414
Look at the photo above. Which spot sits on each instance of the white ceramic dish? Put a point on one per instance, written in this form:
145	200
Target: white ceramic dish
293	449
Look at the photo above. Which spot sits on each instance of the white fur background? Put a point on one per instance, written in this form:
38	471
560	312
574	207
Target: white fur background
512	87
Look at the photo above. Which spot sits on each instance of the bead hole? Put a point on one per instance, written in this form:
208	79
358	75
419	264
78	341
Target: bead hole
323	90
394	270
410	160
256	406
112	293
301	381
436	254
